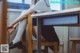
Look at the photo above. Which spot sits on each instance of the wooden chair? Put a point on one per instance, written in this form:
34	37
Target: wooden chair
44	43
74	41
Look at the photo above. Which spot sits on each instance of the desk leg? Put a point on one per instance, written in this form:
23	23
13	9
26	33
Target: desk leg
56	48
73	47
38	35
29	34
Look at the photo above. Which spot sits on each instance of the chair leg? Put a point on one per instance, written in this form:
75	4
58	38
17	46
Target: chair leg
24	50
56	48
46	49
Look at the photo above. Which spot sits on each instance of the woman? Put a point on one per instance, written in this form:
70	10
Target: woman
47	31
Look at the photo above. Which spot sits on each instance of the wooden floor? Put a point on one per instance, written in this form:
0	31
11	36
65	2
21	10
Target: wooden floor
15	50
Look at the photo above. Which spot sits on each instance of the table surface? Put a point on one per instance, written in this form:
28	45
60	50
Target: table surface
74	39
73	10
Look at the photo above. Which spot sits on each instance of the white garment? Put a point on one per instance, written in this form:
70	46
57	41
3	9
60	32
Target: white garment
41	6
21	28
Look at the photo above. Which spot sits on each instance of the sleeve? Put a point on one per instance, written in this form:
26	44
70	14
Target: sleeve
41	6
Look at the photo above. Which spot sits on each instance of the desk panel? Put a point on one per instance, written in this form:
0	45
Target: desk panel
73	19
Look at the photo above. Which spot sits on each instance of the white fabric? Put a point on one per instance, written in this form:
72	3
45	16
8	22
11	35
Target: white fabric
41	6
21	28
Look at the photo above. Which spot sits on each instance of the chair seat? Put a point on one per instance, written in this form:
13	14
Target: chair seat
45	43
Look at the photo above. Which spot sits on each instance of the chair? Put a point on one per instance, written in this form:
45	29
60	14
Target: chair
43	43
74	41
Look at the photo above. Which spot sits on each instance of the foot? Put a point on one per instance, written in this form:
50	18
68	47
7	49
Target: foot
19	45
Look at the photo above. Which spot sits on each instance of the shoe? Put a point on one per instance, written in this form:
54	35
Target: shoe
19	45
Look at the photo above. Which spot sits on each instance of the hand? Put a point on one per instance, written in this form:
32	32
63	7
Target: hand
10	31
10	26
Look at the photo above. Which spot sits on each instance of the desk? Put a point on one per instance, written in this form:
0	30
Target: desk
73	16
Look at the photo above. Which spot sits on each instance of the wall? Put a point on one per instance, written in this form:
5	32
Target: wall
69	6
12	15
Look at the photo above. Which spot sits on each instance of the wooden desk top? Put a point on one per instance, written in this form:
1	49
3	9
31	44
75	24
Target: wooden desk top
74	39
74	10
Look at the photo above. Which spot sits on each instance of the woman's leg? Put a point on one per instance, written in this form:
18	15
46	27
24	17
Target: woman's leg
21	28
